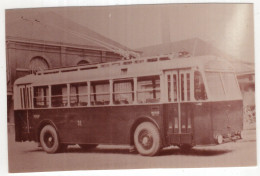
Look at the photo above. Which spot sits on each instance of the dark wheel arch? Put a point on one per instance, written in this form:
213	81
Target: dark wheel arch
42	124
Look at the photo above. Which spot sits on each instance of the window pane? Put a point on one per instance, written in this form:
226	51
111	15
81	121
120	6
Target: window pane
182	87
215	85
188	86
78	94
123	92
169	87
59	95
148	90
199	87
230	84
175	87
41	97
78	100
100	93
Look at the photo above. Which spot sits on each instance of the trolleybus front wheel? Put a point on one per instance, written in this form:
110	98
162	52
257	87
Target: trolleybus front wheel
49	139
147	139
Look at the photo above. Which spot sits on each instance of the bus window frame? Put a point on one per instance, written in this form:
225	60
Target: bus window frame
178	73
210	97
132	92
47	96
161	88
94	93
25	98
62	96
154	89
191	80
87	94
135	80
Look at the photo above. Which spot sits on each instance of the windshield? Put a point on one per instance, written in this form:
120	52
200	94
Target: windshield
222	85
231	88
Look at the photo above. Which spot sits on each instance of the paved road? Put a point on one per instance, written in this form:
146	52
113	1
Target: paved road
27	157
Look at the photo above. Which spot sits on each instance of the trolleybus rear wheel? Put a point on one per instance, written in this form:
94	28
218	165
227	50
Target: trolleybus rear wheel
49	139
147	139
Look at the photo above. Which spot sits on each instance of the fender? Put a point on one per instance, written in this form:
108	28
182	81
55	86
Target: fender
146	118
41	124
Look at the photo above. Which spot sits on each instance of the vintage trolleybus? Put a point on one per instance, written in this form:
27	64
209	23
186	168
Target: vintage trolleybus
149	103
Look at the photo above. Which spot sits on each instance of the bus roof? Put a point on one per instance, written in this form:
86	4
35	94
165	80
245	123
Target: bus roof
124	69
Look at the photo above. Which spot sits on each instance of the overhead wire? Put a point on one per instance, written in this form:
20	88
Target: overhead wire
115	49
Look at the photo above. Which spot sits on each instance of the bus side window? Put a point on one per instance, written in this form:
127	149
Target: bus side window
199	87
99	93
148	89
41	95
123	92
79	94
59	96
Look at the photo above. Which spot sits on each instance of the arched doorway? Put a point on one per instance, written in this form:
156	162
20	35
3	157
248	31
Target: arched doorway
37	64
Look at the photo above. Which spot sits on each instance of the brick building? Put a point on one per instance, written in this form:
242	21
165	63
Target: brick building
37	39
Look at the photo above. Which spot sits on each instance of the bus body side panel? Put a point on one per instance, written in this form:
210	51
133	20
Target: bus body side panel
202	123
79	125
23	130
106	125
227	118
123	119
100	125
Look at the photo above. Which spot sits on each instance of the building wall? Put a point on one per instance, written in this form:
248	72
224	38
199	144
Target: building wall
20	54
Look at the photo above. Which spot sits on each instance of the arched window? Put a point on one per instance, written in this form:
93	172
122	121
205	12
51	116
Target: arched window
82	62
38	64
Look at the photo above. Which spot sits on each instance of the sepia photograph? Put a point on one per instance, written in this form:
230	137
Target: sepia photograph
130	87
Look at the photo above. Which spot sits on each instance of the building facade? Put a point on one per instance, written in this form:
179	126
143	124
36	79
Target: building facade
26	56
38	40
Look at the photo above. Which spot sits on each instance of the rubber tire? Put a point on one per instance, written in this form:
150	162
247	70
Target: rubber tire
156	139
88	146
56	145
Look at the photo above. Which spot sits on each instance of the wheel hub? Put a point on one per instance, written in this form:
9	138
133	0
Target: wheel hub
145	139
49	140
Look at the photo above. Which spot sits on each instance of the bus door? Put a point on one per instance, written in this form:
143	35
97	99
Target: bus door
179	111
25	103
186	108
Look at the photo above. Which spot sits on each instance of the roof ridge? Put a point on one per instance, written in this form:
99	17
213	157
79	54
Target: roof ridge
39	17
